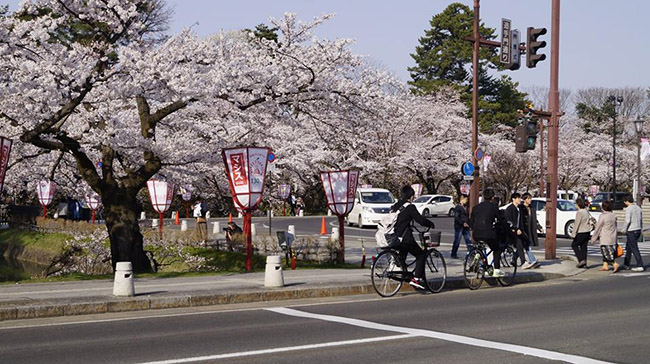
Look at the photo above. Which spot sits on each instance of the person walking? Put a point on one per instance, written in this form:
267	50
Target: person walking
632	230
484	220
605	232
515	236
200	210
530	227
581	233
461	226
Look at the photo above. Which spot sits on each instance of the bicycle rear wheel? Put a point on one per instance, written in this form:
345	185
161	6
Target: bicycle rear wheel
435	271
387	273
508	266
474	269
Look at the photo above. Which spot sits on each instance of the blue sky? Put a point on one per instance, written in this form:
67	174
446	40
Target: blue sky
602	43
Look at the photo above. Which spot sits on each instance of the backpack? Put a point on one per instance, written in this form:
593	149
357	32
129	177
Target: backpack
204	209
386	235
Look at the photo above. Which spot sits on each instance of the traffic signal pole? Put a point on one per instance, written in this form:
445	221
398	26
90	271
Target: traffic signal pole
554	106
475	187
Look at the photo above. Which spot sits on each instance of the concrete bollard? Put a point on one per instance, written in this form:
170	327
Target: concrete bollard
239	215
216	228
302	213
290	235
173	215
335	234
183	225
143	216
154	223
123	284
329	212
273	274
253	230
207	215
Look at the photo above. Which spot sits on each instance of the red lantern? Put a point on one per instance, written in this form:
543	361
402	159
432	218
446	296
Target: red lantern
93	201
340	187
161	194
246	169
45	191
5	150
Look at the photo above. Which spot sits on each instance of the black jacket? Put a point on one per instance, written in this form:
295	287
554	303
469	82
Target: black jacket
461	216
403	224
529	219
514	218
484	220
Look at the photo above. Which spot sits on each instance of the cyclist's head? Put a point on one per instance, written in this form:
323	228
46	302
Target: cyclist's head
488	194
406	193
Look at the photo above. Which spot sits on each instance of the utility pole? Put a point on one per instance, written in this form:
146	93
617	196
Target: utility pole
554	106
541	158
477	42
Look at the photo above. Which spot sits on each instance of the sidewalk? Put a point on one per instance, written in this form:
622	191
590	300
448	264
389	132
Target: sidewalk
35	300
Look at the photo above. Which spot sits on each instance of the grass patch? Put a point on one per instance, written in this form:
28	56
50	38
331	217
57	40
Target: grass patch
226	261
50	242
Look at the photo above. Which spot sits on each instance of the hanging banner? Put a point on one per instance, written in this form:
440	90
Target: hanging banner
5	150
486	161
340	187
45	191
417	187
186	192
161	194
284	191
246	169
645	148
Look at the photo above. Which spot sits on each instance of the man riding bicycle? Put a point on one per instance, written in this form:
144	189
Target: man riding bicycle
484	221
407	244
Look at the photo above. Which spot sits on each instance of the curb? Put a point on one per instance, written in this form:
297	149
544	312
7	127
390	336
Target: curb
102	304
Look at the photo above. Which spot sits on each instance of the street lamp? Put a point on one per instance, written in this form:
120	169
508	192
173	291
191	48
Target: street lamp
614	100
638	125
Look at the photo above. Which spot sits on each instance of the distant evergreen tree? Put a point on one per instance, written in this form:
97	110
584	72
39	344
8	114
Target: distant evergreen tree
444	58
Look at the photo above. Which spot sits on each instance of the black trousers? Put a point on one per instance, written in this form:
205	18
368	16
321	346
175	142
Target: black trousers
632	247
579	246
419	254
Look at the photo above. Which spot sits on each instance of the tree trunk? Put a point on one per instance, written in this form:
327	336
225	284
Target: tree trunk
121	212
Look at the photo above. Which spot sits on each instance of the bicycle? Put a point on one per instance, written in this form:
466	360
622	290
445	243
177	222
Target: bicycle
389	271
476	265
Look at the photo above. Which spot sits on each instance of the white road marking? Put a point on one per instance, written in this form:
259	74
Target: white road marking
525	350
20	324
280	350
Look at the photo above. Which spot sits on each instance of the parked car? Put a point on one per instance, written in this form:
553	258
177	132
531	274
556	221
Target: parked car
566	214
596	203
434	205
567	195
370	206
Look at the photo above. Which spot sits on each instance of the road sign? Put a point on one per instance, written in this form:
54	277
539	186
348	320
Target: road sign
506	42
468	169
515	59
478	153
468	178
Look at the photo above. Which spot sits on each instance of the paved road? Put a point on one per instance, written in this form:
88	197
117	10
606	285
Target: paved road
584	319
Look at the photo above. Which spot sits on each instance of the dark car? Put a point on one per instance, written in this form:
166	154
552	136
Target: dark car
596	203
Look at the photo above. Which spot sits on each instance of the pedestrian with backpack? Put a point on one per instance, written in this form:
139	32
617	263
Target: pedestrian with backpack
407	244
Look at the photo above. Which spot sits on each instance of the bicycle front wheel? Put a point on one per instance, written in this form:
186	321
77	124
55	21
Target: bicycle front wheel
474	269
435	272
508	266
386	274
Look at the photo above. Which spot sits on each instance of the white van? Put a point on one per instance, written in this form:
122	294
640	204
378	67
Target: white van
567	195
370	206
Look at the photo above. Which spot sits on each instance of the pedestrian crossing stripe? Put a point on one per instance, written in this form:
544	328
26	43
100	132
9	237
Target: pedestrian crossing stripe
594	250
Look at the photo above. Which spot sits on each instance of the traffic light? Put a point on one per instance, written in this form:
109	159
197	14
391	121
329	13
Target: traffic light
520	139
533	46
531	134
526	136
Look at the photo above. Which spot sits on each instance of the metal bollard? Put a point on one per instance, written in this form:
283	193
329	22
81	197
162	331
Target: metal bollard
273	274
123	284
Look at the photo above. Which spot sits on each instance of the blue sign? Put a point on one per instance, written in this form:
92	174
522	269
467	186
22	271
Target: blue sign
468	169
271	157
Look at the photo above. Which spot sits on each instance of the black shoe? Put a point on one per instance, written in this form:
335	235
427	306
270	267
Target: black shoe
454	256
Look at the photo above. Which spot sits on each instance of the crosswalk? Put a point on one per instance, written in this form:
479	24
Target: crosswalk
594	250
